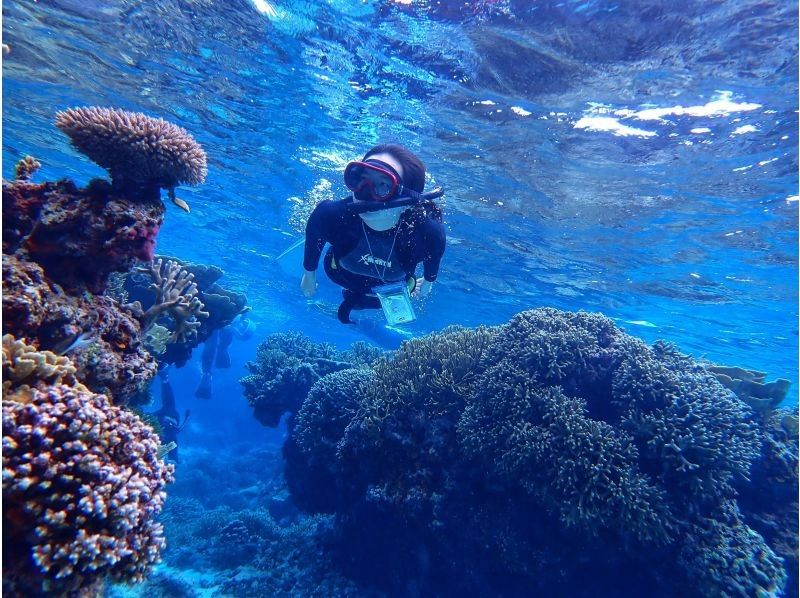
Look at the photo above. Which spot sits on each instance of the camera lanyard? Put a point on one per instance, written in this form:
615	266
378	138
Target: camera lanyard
388	257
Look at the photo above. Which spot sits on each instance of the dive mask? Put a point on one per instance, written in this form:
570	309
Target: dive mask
372	180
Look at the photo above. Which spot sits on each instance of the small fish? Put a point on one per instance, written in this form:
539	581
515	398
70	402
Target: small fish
72	343
179	202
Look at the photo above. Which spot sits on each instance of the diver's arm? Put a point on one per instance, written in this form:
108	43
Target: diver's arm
434	243
315	241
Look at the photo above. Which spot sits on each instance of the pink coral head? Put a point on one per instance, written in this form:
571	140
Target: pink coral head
142	240
147	246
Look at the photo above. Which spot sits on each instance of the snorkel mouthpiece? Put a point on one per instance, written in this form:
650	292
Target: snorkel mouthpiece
409	198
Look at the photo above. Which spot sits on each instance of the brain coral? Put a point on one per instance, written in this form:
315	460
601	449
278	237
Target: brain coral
136	149
82	486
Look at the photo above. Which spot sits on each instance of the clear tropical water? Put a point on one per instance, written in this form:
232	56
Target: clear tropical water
638	159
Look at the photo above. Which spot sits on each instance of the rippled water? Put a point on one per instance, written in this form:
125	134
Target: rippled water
638	159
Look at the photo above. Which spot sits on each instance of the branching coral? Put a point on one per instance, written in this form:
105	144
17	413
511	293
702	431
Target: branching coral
220	305
176	295
311	453
82	486
26	168
286	367
140	152
600	442
402	439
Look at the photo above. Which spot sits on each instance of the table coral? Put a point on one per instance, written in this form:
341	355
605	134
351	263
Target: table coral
141	153
82	486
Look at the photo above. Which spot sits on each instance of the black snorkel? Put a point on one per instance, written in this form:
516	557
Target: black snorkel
408	198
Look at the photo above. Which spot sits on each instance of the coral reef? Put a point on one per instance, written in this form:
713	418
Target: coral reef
176	295
83	481
82	485
172	279
555	437
26	168
22	363
141	153
78	236
769	499
285	369
113	361
311	451
751	386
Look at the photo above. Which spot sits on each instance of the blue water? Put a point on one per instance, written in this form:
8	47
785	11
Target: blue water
637	159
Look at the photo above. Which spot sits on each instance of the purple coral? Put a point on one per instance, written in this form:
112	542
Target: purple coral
139	151
82	486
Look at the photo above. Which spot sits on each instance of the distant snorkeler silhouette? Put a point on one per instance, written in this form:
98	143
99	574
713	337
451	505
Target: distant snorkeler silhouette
215	351
168	416
378	236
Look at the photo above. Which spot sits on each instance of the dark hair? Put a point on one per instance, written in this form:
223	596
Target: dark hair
413	168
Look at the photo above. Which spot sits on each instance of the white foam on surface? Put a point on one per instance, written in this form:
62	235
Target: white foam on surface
612	125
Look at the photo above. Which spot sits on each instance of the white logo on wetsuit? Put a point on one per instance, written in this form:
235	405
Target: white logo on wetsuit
368	258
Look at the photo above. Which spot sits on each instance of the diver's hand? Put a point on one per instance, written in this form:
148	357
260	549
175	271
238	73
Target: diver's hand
422	288
309	283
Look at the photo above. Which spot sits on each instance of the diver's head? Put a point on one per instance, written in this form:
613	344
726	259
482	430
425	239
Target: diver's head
387	172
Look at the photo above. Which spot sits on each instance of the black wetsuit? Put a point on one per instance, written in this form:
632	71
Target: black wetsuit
360	258
168	418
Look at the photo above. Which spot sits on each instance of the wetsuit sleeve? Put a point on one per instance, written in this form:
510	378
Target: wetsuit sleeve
435	241
316	235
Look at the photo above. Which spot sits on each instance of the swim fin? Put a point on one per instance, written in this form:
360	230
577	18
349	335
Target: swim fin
203	390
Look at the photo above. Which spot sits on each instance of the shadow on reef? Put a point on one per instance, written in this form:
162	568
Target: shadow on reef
554	454
83	474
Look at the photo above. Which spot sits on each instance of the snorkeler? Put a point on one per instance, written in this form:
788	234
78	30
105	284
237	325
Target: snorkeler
168	416
215	351
378	235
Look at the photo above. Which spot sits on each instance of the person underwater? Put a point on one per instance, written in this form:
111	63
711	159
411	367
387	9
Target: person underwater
215	351
379	234
168	416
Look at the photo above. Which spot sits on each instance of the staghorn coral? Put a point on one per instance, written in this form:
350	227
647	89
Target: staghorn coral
26	168
286	367
115	363
82	486
176	295
141	153
24	365
222	305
